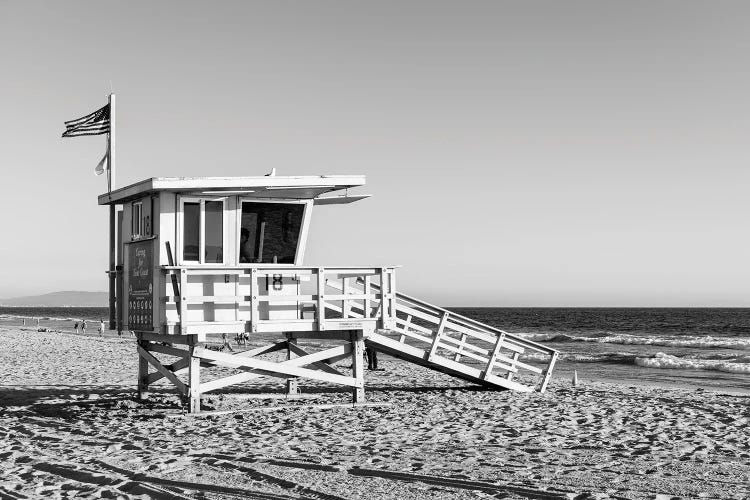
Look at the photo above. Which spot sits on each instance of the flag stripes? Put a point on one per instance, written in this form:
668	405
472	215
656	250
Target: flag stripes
95	123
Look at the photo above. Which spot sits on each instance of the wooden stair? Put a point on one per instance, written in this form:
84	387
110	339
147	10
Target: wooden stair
392	347
439	339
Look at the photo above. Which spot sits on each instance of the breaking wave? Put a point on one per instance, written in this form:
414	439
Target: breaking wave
625	339
731	363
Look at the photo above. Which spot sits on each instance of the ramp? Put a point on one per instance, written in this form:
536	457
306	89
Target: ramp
439	339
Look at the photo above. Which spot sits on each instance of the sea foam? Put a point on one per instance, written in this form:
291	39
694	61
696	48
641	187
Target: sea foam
661	360
626	339
739	363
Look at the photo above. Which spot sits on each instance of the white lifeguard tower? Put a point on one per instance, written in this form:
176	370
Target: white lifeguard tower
203	258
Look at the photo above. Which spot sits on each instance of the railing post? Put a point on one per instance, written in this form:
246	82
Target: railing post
237	299
183	303
321	299
345	306
438	334
367	305
493	357
383	299
548	372
392	299
254	309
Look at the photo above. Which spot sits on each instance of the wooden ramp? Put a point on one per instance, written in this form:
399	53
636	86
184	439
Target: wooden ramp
436	338
412	354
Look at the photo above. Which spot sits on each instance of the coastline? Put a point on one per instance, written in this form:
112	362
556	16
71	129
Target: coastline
70	422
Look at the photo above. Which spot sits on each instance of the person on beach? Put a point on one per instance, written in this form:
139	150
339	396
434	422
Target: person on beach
76	327
83	326
101	327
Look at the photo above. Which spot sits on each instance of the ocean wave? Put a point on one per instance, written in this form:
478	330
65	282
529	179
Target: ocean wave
19	317
661	360
733	363
625	339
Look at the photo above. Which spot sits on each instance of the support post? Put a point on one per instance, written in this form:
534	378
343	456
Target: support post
292	386
194	382
358	368
112	213
112	272
142	370
120	297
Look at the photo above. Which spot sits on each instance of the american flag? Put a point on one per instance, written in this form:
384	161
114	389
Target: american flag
95	123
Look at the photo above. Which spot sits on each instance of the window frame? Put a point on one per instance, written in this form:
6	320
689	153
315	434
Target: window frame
201	200
136	222
299	252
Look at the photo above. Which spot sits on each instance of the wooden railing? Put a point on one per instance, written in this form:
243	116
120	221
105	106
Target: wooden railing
455	337
458	343
214	299
316	299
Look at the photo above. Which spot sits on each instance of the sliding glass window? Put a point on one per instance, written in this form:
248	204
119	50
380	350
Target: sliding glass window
203	231
269	232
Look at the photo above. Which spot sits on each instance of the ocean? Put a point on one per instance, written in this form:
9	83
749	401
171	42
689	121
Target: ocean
700	348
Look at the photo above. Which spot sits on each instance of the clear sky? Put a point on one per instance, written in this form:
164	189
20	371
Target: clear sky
560	153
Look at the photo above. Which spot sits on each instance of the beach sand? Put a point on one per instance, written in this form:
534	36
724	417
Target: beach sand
70	426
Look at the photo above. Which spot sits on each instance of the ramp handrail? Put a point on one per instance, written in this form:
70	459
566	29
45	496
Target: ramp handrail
453	336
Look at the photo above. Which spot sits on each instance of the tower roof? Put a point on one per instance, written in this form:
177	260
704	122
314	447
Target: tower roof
291	187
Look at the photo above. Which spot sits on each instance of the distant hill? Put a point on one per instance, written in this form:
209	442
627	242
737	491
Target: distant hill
61	299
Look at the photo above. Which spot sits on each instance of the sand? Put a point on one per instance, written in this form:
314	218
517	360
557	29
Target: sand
70	426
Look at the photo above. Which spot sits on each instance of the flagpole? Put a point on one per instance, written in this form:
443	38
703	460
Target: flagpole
111	138
112	213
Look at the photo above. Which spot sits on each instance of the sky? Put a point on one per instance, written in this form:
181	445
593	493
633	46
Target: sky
525	153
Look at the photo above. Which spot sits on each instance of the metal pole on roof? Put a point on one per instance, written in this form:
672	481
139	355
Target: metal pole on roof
111	149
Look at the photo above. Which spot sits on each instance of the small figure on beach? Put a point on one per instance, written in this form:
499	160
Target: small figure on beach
83	326
226	343
242	338
372	358
75	327
101	327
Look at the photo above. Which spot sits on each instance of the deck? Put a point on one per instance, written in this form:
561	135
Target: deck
356	305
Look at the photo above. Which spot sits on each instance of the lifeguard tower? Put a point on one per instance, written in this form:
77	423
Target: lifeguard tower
200	259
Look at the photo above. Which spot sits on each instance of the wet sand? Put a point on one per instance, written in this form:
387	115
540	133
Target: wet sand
70	426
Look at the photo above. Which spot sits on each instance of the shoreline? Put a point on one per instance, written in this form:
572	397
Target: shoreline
563	369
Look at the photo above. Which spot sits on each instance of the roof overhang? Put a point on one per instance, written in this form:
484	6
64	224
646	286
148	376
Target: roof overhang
284	187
